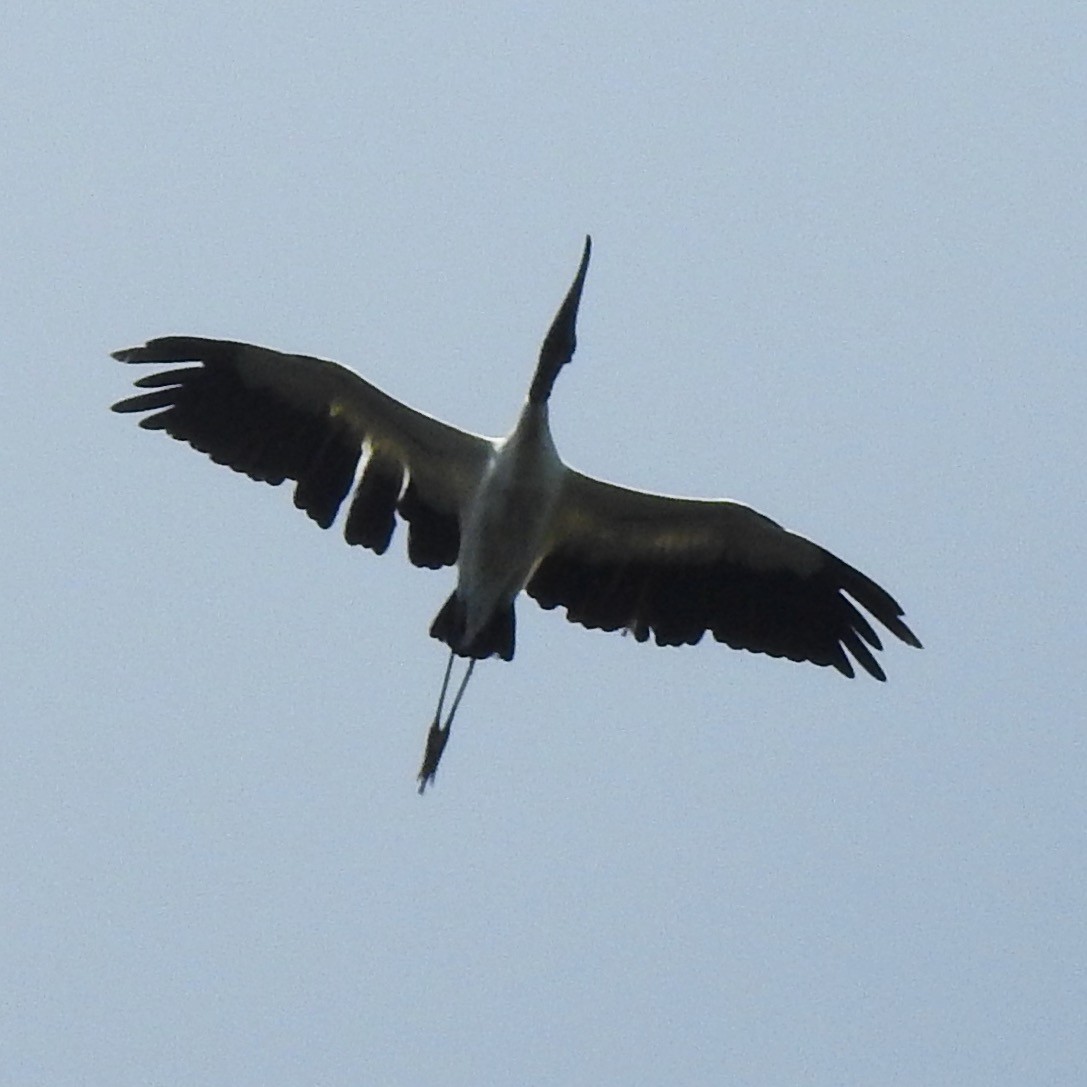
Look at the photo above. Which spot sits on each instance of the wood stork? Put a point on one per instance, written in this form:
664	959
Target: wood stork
510	514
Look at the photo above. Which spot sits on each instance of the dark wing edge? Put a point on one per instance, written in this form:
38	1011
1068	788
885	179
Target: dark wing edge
276	417
677	568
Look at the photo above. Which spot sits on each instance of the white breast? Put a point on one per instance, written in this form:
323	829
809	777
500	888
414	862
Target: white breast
508	518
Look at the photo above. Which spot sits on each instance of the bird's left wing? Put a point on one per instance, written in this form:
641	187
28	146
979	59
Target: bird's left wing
276	416
620	559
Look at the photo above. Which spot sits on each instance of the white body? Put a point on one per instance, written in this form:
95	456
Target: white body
508	518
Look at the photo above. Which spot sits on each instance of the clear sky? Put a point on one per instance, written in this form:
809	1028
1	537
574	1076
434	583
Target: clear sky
838	273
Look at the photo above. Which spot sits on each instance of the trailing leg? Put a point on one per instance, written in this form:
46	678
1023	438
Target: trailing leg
438	736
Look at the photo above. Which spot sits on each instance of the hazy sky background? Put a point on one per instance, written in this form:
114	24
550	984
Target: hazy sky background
839	273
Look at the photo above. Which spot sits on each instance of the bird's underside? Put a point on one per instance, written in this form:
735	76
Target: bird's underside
664	568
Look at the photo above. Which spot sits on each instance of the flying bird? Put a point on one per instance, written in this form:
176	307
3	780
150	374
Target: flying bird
509	514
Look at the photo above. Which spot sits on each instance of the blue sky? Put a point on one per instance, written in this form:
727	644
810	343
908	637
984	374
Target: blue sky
838	274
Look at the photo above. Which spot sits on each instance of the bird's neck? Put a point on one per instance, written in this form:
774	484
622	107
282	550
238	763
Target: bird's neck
543	381
533	429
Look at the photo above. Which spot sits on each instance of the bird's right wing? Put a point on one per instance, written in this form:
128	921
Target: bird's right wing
276	416
621	559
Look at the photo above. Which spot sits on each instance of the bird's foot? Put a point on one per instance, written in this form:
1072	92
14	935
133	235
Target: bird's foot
436	740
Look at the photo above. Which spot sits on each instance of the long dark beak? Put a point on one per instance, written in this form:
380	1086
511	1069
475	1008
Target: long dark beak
561	339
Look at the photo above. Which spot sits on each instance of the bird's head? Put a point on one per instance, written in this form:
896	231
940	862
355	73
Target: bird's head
561	339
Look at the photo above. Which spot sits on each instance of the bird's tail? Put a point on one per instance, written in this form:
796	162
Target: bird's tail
496	639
